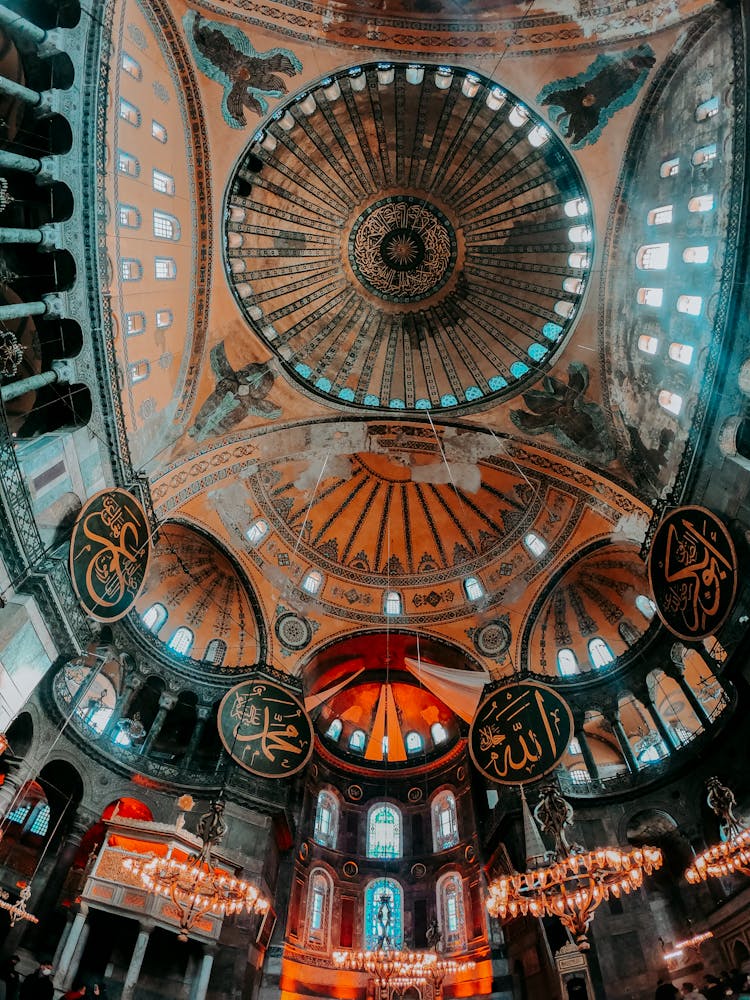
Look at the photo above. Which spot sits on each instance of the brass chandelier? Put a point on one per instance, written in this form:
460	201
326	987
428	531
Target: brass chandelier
568	882
731	856
194	885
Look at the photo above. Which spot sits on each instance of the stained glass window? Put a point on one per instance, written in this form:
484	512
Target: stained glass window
19	814
600	652
383	915
326	820
414	742
334	730
444	821
357	741
40	825
438	732
567	663
319	909
450	900
384	831
215	652
181	641
154	617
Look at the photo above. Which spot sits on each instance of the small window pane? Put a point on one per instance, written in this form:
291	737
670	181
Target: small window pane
414	742
647	344
473	588
334	730
575	207
652	257
138	370
580	234
131	66
567	664
703	156
257	531
165	268
135	323
162	182
574	748
164	319
660	216
158	131
681	352
650	296
670	168
40	825
690	304
695	255
670	401
702	203
535	544
600	653
182	641
392	603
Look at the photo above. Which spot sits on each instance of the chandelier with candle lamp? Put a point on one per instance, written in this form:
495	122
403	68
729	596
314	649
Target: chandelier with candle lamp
194	884
731	856
568	882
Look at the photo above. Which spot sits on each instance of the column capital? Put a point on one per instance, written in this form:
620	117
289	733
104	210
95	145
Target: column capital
203	712
167	701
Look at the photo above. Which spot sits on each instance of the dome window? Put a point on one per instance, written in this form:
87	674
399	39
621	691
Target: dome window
332	91
567	664
695	255
681	352
576	207
552	331
690	304
670	401
579	259
701	203
650	296
538	135
392	604
518	369
415	75
132	67
648	344
216	650
537	352
580	234
495	99
652	257
313	582
660	216
573	285
708	109
599	653
414	742
470	85
335	729
670	168
182	641
473	588
443	78
646	606
159	131
438	732
702	157
257	531
357	741
386	74
574	748
535	544
154	617
518	115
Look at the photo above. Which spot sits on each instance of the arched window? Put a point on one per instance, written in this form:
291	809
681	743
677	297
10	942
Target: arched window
135	323
700	158
182	641
650	296
392	604
138	371
648	344
129	112
695	255
580	234
518	115
670	168
652	257
535	544
708	109
538	135
690	304
326	820
599	652
165	269
659	216
166	227
567	664
450	906
334	730
312	582
414	742
384	919
384	831
628	633
701	203
319	900
495	99
40	822
128	216
444	821
132	67
127	164
564	309
131	269
159	131
161	182
578	259
357	741
473	588
670	401
681	352
646	606
154	617
438	733
575	207
19	813
573	285
216	650
257	531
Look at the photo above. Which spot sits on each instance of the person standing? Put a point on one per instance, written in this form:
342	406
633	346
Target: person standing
666	991
689	992
10	977
38	986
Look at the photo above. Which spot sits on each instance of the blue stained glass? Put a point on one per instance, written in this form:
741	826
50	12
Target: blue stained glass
551	331
347	394
397	404
497	382
41	822
384	832
423	404
448	400
304	370
371	400
472	392
537	352
383	915
19	814
324	384
518	368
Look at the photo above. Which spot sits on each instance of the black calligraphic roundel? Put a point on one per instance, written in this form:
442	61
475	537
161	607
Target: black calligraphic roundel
692	569
520	732
265	728
109	553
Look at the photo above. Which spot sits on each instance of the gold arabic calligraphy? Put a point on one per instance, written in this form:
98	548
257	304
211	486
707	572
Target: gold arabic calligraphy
267	731
695	571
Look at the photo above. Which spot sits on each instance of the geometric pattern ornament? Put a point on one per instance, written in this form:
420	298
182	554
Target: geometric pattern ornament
109	554
265	729
693	570
408	238
520	732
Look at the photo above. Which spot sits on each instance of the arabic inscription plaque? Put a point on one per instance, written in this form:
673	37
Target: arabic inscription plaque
109	553
265	729
520	732
692	569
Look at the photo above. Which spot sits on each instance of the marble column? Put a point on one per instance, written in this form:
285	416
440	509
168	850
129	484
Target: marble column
35	236
15	389
65	970
692	698
122	707
200	985
70	918
668	738
136	961
627	750
19	27
203	714
17	90
20	310
9	791
588	757
166	703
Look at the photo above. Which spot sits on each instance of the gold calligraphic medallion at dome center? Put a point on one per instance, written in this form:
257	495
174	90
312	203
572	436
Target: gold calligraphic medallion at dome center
520	732
692	568
265	729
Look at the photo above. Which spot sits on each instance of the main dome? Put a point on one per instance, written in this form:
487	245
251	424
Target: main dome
408	237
